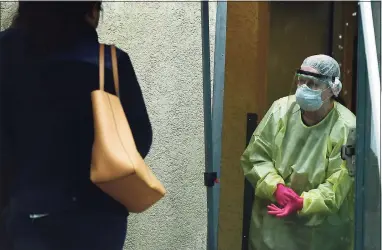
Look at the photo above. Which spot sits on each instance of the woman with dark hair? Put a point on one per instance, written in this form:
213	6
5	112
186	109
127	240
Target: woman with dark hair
48	68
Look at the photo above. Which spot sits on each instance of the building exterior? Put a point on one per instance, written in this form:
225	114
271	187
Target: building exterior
163	40
265	43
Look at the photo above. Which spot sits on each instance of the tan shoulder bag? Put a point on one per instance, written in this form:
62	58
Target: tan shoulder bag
117	167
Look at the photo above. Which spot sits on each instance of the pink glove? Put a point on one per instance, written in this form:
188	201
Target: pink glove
281	194
295	204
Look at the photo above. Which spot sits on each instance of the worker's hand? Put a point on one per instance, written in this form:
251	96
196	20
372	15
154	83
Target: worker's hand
283	194
294	205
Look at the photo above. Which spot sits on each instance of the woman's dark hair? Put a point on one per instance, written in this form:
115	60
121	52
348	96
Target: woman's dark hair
53	24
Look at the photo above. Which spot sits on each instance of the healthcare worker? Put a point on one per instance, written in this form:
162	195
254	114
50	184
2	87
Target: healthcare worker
304	197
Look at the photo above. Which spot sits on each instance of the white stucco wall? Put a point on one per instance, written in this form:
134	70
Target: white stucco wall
164	43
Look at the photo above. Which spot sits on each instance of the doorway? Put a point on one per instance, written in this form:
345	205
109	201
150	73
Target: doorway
266	42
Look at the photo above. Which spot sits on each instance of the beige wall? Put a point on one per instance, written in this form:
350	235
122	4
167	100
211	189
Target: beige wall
164	42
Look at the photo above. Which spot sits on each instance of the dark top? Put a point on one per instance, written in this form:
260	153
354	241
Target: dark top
47	123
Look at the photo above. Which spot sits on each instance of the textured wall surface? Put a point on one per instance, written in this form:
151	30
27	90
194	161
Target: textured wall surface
7	10
164	43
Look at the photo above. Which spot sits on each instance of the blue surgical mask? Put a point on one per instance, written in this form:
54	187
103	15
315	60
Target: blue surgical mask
308	99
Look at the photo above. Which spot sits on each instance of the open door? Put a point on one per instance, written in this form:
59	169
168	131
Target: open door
368	154
265	43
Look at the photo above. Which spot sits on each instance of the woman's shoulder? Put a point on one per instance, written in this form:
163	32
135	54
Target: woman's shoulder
88	52
10	36
8	32
3	34
123	56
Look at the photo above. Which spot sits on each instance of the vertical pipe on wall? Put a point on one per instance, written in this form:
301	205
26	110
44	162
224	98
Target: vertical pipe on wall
213	117
211	235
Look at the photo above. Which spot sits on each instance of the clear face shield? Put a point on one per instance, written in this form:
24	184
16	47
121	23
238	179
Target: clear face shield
309	93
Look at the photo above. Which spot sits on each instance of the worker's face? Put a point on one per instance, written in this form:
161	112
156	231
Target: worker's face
314	84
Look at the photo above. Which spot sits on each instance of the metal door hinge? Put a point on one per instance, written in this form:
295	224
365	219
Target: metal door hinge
210	178
348	152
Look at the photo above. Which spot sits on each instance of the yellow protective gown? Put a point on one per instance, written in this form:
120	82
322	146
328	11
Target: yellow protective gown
307	159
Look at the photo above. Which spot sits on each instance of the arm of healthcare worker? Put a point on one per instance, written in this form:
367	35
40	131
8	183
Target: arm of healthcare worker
328	197
256	160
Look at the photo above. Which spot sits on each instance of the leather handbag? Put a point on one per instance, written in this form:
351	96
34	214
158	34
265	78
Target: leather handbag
117	168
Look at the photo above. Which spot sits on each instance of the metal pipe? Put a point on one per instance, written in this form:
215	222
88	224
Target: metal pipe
213	118
211	237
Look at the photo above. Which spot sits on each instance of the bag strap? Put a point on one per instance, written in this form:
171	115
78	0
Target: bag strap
102	68
115	69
